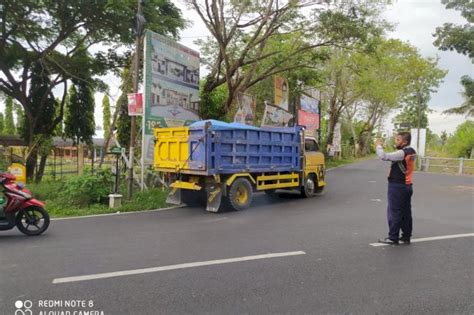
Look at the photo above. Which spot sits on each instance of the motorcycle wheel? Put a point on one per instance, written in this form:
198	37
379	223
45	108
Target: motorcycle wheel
32	221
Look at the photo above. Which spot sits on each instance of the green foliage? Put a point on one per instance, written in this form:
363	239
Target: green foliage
461	143
412	114
88	189
58	130
467	108
59	205
212	103
457	37
42	39
9	123
79	122
124	120
2	124
152	198
44	105
106	116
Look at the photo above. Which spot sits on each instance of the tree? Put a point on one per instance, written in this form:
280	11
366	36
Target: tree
79	122
461	143
123	119
461	39
382	82
444	137
106	115
58	131
9	123
50	33
240	53
467	108
457	37
2	124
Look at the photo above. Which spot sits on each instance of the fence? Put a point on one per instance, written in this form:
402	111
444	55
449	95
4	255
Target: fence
447	165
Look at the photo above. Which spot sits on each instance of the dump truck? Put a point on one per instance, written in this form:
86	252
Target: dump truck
224	164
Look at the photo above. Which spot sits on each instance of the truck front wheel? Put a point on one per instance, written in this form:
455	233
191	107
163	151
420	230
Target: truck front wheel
240	194
309	187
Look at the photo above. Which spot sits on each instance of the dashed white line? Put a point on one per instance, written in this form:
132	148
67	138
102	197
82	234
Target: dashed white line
174	267
427	239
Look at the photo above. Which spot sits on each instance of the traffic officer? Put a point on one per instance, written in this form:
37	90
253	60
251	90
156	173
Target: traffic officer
400	188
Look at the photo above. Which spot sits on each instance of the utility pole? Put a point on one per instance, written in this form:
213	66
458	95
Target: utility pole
138	33
418	132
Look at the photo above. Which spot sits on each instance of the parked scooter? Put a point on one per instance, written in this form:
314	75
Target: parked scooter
20	209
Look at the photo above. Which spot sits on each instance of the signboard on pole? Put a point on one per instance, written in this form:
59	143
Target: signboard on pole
171	87
246	105
282	92
135	104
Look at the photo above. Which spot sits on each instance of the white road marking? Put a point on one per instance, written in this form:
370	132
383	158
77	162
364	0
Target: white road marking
111	214
376	200
427	239
173	267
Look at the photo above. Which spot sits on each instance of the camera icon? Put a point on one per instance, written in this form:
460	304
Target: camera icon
23	307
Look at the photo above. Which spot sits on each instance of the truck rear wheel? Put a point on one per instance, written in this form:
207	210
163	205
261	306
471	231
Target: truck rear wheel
240	194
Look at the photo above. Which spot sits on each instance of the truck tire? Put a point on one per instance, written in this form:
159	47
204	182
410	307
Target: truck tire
240	194
308	189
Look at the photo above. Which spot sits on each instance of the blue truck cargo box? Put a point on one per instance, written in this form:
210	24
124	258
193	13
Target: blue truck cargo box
221	148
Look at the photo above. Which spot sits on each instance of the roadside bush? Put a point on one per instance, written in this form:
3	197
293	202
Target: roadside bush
88	189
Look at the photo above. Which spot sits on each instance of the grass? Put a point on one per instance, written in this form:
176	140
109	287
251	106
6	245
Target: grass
57	206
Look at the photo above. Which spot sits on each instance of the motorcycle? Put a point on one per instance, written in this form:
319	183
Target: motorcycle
20	209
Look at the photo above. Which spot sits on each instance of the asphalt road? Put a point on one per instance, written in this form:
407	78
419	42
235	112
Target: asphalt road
340	273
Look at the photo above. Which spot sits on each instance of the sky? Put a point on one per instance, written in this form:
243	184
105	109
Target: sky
415	22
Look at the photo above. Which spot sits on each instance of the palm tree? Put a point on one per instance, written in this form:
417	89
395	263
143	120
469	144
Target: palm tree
467	108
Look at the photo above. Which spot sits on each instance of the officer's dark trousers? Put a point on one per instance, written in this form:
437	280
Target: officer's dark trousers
399	210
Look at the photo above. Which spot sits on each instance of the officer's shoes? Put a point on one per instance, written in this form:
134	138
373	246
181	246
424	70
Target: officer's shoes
405	241
388	241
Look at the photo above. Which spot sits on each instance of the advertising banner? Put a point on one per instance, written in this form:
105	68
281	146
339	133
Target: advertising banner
282	92
275	117
336	141
309	120
135	104
171	87
246	106
310	101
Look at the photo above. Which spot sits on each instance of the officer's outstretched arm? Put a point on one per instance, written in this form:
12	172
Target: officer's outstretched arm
394	156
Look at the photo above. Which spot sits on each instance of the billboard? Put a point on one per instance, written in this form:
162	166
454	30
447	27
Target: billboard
275	117
309	120
310	101
246	106
171	87
282	92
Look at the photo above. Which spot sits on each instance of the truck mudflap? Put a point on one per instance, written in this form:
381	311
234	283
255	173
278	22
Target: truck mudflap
214	197
174	196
